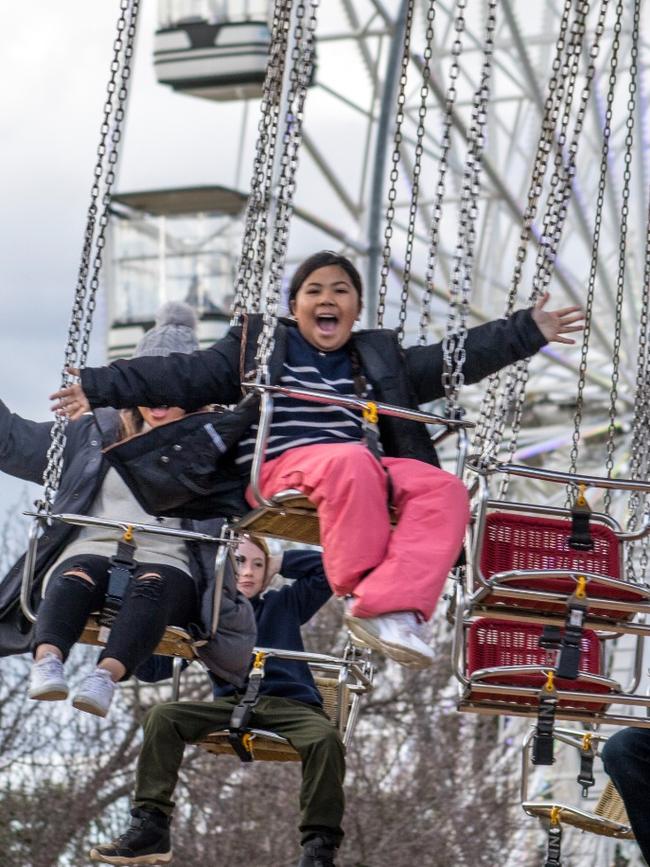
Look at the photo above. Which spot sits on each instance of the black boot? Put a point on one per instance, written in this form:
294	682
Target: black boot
146	841
318	852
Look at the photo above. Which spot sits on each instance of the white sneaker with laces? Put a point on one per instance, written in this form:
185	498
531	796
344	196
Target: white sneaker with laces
397	635
95	693
47	680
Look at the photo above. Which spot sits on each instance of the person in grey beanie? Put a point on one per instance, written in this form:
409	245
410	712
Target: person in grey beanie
167	575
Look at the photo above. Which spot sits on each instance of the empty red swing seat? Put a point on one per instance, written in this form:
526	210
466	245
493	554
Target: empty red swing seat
497	648
534	543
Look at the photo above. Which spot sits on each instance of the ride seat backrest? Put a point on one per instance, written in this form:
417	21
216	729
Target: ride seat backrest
497	643
610	805
516	541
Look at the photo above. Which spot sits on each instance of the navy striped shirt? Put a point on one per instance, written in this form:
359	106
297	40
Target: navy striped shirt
300	423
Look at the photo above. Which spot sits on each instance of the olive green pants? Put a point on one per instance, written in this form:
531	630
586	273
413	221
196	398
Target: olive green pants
169	727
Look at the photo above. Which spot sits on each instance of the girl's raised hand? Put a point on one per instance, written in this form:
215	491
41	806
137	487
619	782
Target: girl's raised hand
70	400
555	323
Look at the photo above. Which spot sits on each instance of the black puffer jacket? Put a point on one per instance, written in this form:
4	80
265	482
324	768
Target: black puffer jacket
405	377
23	453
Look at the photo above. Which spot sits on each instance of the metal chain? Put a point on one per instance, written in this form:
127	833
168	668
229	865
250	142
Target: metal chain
453	345
76	351
443	165
620	277
394	172
559	205
250	269
300	72
593	267
490	422
417	166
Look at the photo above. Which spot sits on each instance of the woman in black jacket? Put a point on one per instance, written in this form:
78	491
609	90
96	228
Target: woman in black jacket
73	564
394	577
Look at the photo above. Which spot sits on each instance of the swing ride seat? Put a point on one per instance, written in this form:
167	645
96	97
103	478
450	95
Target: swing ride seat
503	654
506	670
607	818
175	642
341	681
527	563
294	518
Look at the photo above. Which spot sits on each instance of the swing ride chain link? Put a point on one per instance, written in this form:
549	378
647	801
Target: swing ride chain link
250	269
417	166
640	441
591	283
620	277
443	165
394	172
302	60
513	392
453	345
546	261
76	351
491	421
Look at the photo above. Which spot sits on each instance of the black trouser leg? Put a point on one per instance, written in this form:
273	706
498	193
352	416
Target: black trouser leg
158	596
69	600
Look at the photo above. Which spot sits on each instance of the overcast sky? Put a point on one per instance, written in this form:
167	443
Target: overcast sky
54	63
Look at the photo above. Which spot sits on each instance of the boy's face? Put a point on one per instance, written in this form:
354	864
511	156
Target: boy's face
326	307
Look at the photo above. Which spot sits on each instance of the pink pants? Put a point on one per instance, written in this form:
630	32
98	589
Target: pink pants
386	569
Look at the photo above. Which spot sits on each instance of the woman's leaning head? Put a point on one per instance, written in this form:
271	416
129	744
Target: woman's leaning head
325	296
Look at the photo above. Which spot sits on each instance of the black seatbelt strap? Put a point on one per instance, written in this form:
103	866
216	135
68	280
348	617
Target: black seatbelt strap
576	612
587	756
122	566
239	735
554	840
543	737
580	538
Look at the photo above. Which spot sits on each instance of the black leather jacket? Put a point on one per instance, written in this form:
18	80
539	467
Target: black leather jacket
406	377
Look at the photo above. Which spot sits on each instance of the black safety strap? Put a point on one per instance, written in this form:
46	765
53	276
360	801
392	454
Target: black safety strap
573	627
554	846
122	566
239	735
543	737
551	638
580	538
586	774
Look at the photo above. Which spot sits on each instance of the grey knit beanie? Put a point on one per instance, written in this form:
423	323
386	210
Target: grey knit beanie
174	331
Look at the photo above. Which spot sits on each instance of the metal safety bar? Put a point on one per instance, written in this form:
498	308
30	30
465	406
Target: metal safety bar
333	399
41	520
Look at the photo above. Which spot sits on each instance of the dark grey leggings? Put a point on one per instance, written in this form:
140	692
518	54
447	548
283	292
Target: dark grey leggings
150	605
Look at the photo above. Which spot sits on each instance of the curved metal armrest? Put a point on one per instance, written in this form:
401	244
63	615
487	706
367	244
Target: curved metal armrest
562	478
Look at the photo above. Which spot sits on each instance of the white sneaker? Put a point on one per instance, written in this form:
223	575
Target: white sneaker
398	635
95	693
47	680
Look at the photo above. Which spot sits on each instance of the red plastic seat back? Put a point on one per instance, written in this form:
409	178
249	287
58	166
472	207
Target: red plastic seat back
514	541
